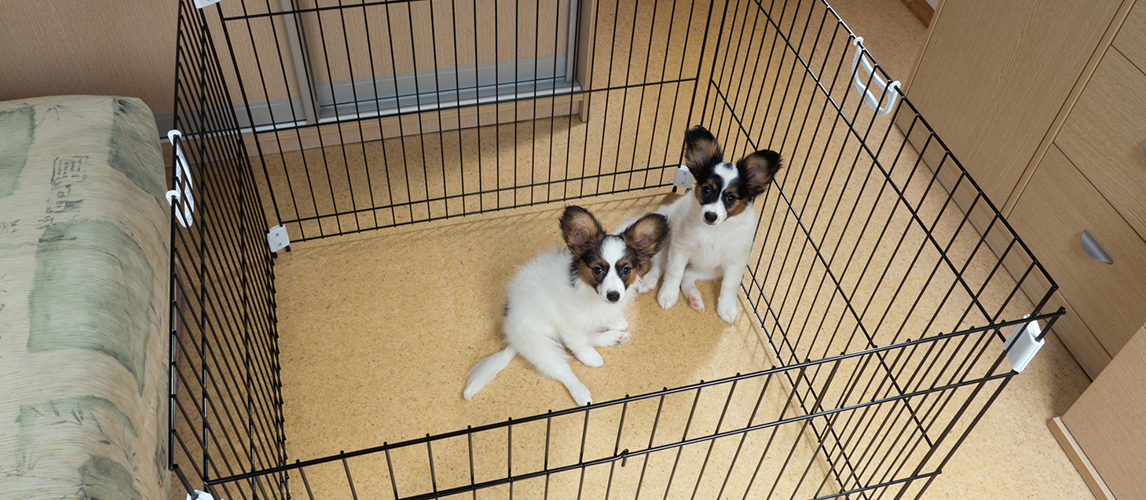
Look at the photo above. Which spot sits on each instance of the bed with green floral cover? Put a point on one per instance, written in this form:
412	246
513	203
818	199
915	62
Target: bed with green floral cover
84	230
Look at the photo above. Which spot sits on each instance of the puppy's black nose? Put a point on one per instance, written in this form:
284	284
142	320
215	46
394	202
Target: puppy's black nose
613	296
709	217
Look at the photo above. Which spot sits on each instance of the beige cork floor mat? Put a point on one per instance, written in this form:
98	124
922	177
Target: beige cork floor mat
379	330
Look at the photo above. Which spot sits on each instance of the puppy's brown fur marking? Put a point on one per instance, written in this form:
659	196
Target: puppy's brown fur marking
738	206
758	169
583	235
701	149
644	239
580	229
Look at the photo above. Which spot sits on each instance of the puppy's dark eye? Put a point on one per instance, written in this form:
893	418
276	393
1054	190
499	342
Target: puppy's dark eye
730	199
598	270
706	190
625	271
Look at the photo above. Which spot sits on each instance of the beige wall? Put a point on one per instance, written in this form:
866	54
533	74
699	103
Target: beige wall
113	47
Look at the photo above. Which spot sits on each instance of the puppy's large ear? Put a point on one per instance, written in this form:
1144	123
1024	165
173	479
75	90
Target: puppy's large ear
758	169
647	235
580	229
700	149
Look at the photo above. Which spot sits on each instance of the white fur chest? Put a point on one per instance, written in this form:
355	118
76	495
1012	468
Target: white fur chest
709	247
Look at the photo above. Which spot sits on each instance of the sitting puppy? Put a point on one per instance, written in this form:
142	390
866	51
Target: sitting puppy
574	296
712	229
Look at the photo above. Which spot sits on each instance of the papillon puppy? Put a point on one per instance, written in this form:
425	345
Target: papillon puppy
573	298
712	225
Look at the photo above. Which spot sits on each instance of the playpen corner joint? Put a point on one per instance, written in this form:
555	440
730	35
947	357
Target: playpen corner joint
278	239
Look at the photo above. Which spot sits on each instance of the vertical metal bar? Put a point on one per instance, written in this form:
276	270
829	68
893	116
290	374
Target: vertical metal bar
570	43
477	111
433	474
616	446
700	62
545	464
509	455
305	483
418	100
298	55
390	467
350	479
470	449
381	126
358	121
191	493
581	455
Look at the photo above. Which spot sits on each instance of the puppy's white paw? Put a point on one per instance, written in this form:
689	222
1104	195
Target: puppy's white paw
615	337
581	395
728	310
696	303
590	357
667	297
620	325
645	285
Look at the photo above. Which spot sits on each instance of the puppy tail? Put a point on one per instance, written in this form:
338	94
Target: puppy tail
484	372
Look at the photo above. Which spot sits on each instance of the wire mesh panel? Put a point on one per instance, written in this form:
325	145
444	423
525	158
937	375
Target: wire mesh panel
885	304
862	245
746	436
226	415
442	108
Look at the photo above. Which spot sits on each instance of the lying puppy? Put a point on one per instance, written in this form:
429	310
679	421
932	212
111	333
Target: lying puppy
574	296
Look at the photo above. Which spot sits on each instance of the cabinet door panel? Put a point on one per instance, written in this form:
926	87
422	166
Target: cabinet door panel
1105	133
995	74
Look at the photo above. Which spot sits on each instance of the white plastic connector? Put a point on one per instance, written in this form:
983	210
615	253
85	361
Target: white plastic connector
200	495
203	3
181	197
1023	344
872	100
277	238
682	178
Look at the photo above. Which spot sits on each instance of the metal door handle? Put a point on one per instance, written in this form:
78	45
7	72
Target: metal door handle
1094	250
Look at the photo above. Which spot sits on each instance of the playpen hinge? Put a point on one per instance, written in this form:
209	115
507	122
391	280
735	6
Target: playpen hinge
277	239
872	100
1023	344
181	197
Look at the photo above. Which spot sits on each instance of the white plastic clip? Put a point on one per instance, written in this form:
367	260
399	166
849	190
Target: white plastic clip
181	197
199	4
682	178
277	238
1023	344
200	495
872	100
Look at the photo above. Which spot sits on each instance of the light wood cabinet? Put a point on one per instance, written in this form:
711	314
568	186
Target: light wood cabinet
1102	431
1045	104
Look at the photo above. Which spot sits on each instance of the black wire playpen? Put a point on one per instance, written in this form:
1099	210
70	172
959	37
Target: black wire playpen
885	308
